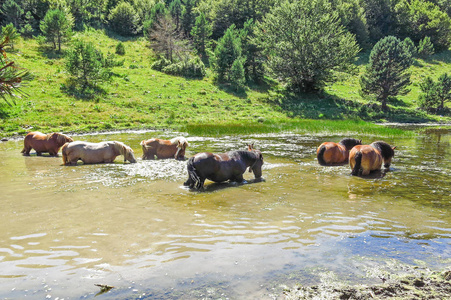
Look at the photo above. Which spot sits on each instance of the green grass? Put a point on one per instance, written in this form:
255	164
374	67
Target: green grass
138	97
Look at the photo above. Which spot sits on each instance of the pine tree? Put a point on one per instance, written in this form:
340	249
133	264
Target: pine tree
201	34
56	27
188	17
86	65
11	76
425	47
13	12
227	51
176	12
443	90
387	71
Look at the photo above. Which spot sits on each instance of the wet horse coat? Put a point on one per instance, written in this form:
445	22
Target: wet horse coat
163	149
93	153
222	167
366	158
330	153
41	142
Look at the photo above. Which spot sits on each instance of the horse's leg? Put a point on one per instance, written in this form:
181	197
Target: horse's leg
238	178
366	172
200	184
38	153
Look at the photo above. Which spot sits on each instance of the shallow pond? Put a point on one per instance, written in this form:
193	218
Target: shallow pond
135	227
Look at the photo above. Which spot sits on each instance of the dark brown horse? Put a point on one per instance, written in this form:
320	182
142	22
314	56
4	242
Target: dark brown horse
366	158
330	153
222	167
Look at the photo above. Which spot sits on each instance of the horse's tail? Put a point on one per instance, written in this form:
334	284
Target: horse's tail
358	163
320	155
192	173
64	153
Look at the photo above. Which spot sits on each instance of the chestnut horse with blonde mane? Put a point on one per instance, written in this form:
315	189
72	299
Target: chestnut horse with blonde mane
163	149
366	158
94	153
330	153
41	142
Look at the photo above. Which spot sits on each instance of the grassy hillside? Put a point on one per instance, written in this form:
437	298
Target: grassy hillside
139	97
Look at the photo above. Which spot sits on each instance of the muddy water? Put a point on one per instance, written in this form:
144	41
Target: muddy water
135	227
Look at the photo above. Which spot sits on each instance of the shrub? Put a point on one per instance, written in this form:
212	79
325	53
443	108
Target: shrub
410	46
120	49
194	68
124	20
425	47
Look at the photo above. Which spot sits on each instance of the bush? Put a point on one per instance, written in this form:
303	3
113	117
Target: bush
193	68
120	49
124	20
160	64
410	46
425	47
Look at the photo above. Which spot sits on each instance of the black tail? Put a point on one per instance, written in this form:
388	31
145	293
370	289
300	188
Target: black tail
320	156
193	178
358	163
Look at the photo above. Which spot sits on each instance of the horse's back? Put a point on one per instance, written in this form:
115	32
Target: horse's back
371	159
331	153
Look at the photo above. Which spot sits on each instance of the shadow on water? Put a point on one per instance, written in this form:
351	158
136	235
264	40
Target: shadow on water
217	186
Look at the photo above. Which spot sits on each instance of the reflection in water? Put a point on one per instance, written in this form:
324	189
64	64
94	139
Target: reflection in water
135	227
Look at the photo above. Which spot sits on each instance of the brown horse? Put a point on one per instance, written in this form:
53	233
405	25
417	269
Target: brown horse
330	153
93	153
162	149
41	142
366	158
222	167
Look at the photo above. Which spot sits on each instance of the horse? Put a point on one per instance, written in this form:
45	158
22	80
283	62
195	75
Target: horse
41	142
93	153
163	149
330	153
366	158
222	167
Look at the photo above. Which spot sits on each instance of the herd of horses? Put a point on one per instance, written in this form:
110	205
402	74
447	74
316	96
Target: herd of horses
217	167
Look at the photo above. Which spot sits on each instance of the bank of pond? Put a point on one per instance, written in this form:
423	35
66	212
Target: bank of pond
217	167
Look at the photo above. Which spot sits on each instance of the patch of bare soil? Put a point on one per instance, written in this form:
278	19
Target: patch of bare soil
421	284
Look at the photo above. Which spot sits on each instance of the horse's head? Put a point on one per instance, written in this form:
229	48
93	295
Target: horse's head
386	151
256	167
182	144
126	151
349	143
59	138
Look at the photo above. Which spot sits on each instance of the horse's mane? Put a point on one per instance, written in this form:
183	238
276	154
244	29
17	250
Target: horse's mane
348	143
180	140
385	149
247	155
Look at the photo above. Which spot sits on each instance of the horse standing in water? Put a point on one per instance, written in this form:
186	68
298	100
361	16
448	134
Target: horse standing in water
223	166
330	153
163	149
366	158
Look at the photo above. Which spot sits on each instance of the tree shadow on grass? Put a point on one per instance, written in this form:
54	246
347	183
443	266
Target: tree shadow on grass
89	93
331	107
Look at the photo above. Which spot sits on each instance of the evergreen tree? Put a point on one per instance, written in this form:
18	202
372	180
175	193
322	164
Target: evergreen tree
410	46
157	12
425	47
124	19
428	99
13	12
253	66
86	65
188	17
443	90
12	34
387	71
227	51
304	41
11	76
56	27
176	12
201	34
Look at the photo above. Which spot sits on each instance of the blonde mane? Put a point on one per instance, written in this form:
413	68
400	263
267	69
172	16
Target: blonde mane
180	141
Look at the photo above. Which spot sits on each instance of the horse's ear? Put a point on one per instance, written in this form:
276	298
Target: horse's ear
394	147
250	147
